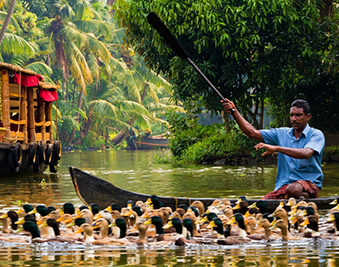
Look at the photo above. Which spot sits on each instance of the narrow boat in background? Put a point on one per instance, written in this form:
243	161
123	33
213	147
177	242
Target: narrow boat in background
27	142
148	142
91	189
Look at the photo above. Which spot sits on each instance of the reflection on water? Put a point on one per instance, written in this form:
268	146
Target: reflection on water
135	171
308	253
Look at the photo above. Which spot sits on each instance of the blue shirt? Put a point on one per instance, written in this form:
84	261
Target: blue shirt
291	169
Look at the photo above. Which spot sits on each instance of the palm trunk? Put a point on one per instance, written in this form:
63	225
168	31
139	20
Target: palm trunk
71	136
7	19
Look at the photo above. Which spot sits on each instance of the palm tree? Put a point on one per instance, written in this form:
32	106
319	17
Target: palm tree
8	18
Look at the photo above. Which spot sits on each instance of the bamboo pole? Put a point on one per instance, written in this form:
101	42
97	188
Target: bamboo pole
31	119
6	106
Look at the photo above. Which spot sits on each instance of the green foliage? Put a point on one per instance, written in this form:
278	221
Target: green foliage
250	50
194	143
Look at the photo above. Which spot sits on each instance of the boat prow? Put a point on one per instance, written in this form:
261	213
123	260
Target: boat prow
91	189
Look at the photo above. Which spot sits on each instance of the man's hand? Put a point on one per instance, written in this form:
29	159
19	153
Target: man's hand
269	148
228	105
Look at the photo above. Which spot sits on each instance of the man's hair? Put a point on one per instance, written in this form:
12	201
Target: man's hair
299	103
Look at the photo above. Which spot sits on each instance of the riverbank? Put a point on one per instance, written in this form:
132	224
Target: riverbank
331	155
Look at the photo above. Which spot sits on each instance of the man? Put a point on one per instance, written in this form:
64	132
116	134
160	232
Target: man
300	151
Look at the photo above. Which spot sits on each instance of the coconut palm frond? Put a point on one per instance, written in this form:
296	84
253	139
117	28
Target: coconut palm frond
100	28
68	123
13	21
40	67
14	43
132	106
99	48
133	86
104	107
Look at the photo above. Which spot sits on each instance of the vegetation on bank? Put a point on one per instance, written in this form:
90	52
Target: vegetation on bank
105	90
192	142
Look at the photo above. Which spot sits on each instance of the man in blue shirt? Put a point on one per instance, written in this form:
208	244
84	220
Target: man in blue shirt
300	150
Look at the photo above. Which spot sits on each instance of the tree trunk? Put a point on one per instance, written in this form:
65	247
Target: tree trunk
118	138
7	19
226	118
326	10
71	136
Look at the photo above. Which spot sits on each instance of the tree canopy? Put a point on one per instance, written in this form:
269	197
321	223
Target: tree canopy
256	52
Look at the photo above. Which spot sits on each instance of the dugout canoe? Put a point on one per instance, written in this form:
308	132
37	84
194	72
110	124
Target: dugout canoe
91	189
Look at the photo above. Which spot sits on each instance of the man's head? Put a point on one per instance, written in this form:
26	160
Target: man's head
300	114
299	103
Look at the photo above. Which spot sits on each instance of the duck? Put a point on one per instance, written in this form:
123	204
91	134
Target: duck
158	223
180	237
239	219
261	205
241	205
87	229
102	224
224	237
110	216
13	217
199	205
32	228
26	208
190	222
266	225
80	208
41	210
154	202
94	208
311	221
67	208
26	218
121	224
334	217
113	206
285	233
141	228
86	214
51	222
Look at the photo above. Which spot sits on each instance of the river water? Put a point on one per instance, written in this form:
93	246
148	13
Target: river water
136	171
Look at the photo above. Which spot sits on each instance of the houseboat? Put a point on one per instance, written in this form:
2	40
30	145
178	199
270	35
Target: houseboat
27	143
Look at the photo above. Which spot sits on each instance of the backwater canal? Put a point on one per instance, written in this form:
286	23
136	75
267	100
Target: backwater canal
136	171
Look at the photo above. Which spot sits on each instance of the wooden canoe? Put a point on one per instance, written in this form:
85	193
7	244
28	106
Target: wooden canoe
91	189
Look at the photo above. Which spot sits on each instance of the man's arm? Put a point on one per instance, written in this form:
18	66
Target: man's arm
244	125
297	153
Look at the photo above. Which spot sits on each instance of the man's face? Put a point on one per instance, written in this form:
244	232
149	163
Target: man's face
298	118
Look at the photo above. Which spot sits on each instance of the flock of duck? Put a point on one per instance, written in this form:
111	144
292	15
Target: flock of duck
151	224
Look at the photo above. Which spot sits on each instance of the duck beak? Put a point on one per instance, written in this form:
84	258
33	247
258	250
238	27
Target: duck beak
254	205
78	231
334	202
232	220
32	211
4	216
21	221
21	210
19	230
168	225
44	224
237	206
211	225
306	222
331	218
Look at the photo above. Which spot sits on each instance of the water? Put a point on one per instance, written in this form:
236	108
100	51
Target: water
135	171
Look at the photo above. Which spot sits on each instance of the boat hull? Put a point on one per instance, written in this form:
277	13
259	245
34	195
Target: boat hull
149	142
24	169
91	189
